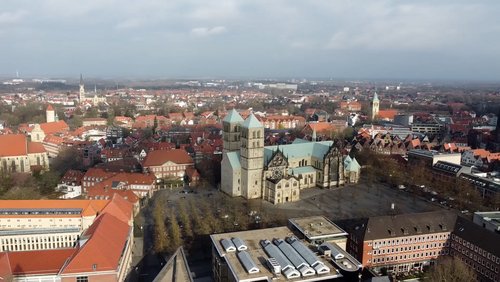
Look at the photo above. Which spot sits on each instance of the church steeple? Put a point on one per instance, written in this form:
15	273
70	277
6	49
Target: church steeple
81	95
374	106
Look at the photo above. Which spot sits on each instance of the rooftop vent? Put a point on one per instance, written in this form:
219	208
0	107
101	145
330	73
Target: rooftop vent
247	262
239	244
274	266
228	245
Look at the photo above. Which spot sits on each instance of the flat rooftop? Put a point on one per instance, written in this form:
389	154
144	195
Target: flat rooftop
492	217
317	227
257	254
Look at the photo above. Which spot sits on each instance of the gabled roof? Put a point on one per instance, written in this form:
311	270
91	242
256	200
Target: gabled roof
353	165
54	127
107	237
36	148
100	191
50	108
159	157
252	122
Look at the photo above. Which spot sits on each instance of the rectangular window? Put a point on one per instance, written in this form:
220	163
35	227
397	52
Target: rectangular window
82	279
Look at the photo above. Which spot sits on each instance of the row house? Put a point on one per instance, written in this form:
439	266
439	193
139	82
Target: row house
109	154
480	158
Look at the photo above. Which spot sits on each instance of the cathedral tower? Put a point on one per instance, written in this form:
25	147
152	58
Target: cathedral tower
81	95
252	157
231	132
374	106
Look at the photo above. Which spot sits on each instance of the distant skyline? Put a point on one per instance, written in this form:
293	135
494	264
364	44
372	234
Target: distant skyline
420	40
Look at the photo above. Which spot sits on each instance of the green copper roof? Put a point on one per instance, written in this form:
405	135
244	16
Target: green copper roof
353	165
299	141
233	117
301	170
251	122
234	159
299	150
347	160
375	97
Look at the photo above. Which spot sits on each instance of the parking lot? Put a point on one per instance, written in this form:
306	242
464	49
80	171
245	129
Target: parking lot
354	201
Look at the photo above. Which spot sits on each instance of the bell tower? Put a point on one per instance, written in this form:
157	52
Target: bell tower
81	95
374	106
252	157
231	132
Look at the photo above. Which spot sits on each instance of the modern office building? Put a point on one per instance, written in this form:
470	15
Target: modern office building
283	253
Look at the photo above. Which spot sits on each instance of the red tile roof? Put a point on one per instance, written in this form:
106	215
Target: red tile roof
36	148
50	108
106	240
36	262
12	145
52	139
89	207
54	127
159	157
387	114
100	191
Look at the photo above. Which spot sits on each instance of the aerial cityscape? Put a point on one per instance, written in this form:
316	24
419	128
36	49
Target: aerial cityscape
246	141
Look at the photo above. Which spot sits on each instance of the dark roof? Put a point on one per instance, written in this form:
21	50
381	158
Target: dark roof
477	235
447	167
409	224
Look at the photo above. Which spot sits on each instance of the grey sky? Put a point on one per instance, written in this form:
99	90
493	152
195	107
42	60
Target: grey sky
451	39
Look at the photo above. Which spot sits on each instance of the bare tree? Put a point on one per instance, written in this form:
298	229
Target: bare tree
184	220
160	230
451	269
174	233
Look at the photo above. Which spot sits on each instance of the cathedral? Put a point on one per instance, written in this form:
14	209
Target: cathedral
278	173
83	96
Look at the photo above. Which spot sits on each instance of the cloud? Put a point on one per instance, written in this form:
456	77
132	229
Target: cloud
317	37
130	23
12	17
207	31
